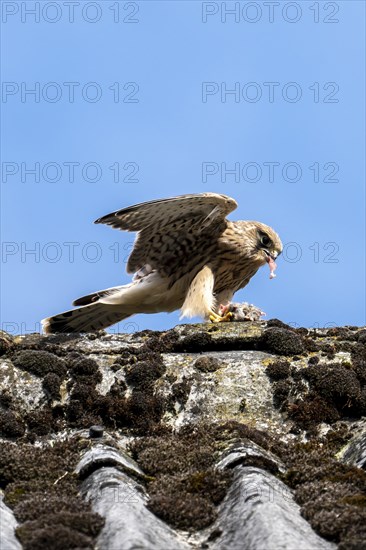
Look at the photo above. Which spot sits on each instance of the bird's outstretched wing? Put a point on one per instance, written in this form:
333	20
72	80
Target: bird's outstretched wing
170	230
165	211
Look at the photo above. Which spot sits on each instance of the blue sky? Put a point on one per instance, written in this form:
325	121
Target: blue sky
139	100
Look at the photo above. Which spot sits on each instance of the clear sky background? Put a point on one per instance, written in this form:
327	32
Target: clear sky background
151	126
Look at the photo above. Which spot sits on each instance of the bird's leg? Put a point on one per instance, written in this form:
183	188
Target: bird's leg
200	299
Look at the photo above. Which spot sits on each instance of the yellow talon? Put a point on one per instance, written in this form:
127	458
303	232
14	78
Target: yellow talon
214	318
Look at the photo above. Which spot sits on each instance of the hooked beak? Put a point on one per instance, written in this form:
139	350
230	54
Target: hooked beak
269	255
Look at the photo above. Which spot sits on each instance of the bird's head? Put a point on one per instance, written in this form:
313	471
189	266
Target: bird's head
262	243
268	244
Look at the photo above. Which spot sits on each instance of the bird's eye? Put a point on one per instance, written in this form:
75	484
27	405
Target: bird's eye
265	240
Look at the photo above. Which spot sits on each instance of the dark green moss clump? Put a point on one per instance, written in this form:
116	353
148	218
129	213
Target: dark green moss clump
335	392
322	392
338	384
358	358
40	363
40	486
199	493
40	422
139	412
10	425
51	385
85	371
6	399
181	391
281	391
144	411
311	411
161	342
6	342
361	337
172	453
143	374
194	343
185	488
56	536
332	495
207	363
278	370
282	341
277	323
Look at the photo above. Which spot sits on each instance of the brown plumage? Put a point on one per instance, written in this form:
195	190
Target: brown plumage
186	256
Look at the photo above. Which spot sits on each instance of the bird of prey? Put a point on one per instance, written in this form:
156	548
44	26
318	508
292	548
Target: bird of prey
186	256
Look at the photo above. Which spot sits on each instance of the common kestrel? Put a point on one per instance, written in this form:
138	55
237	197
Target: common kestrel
186	256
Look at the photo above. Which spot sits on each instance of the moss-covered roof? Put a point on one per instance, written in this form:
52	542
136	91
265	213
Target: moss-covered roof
192	417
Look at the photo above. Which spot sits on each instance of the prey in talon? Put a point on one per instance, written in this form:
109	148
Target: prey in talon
241	312
187	255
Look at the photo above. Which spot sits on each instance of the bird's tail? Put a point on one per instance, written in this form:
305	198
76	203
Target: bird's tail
93	315
106	307
89	318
